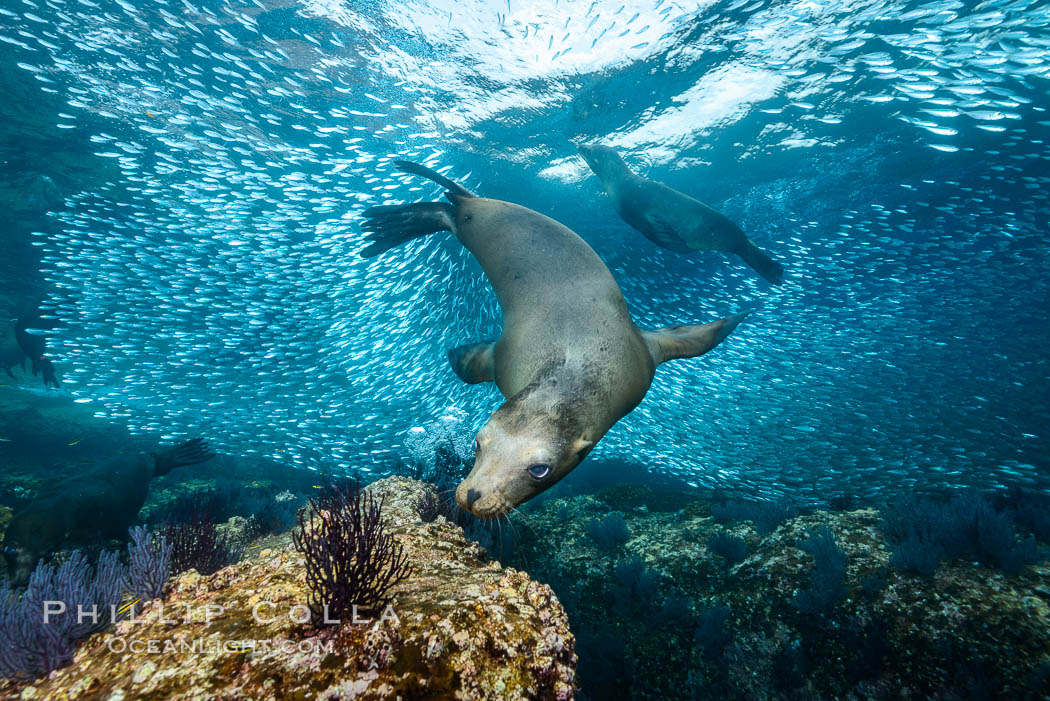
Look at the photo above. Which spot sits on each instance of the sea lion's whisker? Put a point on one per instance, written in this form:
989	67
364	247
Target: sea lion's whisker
518	512
517	551
524	519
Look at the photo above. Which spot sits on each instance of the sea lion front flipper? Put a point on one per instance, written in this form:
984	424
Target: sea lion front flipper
663	234
473	362
689	341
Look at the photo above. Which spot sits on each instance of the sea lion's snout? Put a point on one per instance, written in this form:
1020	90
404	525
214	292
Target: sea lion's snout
601	159
587	151
517	455
482	505
501	478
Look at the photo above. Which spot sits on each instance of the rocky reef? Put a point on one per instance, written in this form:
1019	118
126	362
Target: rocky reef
687	605
459	627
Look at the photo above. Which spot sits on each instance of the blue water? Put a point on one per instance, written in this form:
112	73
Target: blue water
189	179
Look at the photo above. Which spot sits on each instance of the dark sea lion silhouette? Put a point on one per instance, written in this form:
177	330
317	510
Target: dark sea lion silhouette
569	361
671	219
17	344
11	353
99	505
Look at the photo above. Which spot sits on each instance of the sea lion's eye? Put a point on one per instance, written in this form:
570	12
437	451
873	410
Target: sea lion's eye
477	445
539	471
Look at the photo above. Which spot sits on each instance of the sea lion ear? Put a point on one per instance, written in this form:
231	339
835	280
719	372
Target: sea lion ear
580	447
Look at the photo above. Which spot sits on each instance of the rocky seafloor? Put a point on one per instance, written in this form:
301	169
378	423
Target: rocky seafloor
693	625
465	628
660	614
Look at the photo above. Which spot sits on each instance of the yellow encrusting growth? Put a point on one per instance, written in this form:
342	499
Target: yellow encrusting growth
465	629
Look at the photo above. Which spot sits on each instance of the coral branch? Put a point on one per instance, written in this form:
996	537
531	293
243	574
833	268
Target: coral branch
350	559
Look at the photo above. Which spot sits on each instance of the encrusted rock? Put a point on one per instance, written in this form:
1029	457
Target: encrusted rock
458	627
881	633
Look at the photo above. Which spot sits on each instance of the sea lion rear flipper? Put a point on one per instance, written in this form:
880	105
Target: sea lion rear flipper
689	341
473	362
450	185
765	266
392	226
47	369
191	452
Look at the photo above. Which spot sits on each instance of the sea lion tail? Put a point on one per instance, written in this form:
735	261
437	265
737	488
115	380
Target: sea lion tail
391	226
191	452
450	185
765	266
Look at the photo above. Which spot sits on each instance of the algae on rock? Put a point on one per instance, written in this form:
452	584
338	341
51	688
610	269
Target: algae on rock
715	629
459	627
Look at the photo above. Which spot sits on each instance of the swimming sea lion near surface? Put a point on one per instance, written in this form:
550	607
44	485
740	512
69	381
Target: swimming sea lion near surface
570	361
101	504
671	219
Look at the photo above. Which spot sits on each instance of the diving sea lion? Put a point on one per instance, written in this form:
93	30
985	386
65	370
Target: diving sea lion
570	361
673	220
101	504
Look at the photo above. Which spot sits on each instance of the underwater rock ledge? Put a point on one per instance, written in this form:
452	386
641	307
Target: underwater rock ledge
809	607
465	629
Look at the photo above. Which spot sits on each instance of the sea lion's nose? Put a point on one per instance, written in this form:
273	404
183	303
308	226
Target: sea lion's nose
472	496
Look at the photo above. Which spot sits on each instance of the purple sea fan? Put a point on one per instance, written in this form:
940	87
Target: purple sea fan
149	563
196	542
31	647
350	558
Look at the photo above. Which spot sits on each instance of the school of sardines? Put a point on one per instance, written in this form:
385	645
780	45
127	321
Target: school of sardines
215	280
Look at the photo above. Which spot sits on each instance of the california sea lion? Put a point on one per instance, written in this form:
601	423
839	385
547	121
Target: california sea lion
17	344
34	346
570	361
673	220
11	353
100	504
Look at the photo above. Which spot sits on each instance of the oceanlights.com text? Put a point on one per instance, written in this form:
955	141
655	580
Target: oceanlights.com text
199	646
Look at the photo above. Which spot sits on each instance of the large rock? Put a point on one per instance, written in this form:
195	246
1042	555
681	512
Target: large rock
466	629
699	627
